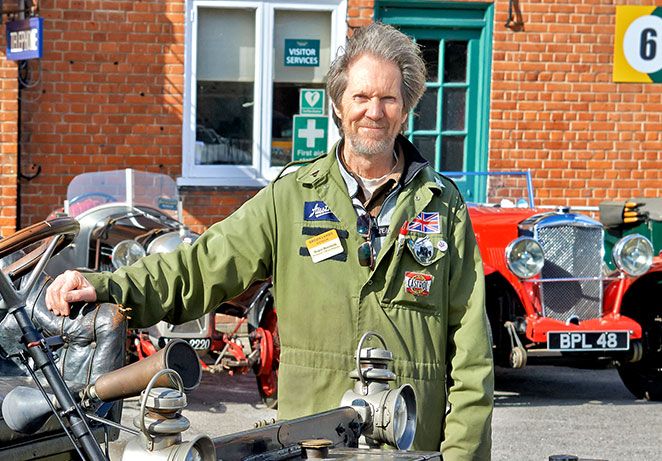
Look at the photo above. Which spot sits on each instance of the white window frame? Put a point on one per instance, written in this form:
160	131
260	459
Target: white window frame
260	172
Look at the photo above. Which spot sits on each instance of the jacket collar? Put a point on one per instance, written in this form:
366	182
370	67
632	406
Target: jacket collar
326	166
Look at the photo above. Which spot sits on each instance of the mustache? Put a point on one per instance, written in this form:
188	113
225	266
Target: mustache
372	125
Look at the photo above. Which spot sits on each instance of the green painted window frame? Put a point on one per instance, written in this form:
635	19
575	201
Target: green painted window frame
464	20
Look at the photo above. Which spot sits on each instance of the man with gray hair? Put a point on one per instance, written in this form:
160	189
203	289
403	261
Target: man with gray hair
367	237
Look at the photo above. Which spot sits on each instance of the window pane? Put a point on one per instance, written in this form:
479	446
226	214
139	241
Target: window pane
452	153
285	106
430	51
454	109
289	80
311	25
226	45
425	114
426	145
225	86
455	62
224	123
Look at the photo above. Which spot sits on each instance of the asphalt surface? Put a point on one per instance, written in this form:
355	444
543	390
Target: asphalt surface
539	411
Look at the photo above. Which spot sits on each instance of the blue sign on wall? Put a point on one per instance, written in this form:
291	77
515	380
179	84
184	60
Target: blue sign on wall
25	39
302	52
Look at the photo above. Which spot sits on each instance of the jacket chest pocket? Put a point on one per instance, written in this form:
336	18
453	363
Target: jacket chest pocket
418	276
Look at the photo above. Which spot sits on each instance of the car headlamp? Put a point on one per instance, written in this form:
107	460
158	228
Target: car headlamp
525	257
126	253
165	243
633	254
201	448
161	425
387	415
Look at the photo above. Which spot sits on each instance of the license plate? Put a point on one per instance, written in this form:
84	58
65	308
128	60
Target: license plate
199	344
588	341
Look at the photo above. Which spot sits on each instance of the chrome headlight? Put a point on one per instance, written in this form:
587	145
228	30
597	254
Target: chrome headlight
126	253
386	415
201	448
525	257
633	254
165	243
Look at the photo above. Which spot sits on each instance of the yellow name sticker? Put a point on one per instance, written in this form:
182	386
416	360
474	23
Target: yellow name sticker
324	246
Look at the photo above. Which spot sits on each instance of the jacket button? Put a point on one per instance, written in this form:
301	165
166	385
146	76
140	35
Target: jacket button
369	282
417	198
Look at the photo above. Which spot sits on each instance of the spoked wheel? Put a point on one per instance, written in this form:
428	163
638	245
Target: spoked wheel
266	371
643	378
644	381
63	230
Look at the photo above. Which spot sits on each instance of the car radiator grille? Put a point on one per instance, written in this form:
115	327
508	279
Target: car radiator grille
571	252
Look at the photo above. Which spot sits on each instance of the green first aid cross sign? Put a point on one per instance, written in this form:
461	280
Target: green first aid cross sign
309	136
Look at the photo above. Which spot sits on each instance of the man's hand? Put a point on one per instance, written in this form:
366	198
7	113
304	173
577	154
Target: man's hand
70	287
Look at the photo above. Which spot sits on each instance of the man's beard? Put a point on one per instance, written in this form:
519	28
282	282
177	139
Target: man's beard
369	147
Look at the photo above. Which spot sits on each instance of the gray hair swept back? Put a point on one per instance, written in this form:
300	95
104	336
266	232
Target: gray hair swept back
384	42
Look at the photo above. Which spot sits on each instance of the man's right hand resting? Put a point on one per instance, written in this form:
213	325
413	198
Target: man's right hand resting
69	287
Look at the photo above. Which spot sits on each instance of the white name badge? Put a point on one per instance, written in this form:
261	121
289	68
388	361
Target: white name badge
324	246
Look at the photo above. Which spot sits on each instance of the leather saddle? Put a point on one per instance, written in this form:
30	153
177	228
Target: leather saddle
94	343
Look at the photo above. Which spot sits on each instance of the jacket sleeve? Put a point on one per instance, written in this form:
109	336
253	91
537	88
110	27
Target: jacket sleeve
470	387
194	279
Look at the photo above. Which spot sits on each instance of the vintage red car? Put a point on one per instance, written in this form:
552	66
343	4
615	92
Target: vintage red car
549	291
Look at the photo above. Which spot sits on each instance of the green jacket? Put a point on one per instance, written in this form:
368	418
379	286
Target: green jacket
440	341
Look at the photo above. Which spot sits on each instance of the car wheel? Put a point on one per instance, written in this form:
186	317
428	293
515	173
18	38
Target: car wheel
270	400
643	379
266	370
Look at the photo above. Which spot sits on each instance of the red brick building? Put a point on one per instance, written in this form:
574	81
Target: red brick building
200	90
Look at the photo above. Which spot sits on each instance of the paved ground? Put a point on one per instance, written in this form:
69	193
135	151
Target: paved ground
540	411
547	410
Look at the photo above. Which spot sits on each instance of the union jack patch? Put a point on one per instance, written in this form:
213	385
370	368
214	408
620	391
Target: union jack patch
426	223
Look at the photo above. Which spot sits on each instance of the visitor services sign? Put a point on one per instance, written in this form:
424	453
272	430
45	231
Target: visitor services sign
302	52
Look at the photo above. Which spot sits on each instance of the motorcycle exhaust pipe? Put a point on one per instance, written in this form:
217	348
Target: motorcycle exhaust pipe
131	380
25	410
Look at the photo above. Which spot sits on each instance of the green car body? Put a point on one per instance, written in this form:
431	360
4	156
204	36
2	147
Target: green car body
647	222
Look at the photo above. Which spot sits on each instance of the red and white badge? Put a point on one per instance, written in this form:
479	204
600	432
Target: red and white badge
418	284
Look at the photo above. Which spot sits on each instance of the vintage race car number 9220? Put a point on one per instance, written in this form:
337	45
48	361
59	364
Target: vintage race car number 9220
588	341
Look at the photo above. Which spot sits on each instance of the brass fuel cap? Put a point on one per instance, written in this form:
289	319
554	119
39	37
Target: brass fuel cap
315	448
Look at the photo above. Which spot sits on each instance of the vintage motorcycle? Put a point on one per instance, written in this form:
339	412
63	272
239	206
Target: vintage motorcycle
59	385
127	214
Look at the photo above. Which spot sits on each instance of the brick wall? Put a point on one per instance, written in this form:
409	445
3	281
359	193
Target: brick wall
111	86
8	136
360	13
110	95
556	111
204	207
